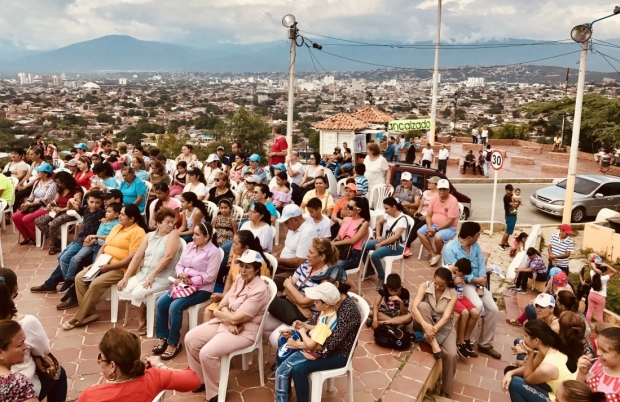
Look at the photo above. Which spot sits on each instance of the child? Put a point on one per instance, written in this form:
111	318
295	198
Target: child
94	242
598	288
309	347
391	305
595	332
360	180
517	244
224	224
317	220
468	313
516	197
558	281
179	180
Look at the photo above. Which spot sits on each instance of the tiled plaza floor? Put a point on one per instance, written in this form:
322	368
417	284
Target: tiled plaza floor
380	374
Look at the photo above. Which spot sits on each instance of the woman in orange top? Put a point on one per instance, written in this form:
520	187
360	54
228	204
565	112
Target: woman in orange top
128	377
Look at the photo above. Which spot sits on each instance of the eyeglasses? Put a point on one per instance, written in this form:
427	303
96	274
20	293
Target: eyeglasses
351	207
217	179
99	359
256	193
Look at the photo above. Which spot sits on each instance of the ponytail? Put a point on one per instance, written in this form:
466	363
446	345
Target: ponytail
391	201
446	275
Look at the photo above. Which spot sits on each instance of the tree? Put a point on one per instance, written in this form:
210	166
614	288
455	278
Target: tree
105	118
251	131
510	131
171	144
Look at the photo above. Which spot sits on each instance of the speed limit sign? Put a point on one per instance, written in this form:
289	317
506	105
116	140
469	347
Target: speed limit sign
497	160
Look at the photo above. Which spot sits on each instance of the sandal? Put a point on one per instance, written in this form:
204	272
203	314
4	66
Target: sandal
52	251
87	320
159	349
67	325
514	322
142	329
170	356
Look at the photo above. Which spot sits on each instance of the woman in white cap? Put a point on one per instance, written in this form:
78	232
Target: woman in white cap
212	169
235	326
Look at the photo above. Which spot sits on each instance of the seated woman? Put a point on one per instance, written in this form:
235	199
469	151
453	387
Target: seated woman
547	365
37	343
196	183
133	189
128	375
164	200
105	177
43	193
432	311
259	223
179	180
84	174
13	386
122	243
235	326
320	192
67	192
535	269
139	166
157	256
196	268
313	170
353	232
262	195
236	173
194	211
220	189
25	185
541	308
242	241
281	193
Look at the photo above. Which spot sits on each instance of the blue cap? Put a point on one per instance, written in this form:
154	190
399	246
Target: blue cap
81	146
280	166
255	158
44	167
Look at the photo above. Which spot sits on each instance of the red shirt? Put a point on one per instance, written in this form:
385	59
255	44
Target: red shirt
279	145
83	179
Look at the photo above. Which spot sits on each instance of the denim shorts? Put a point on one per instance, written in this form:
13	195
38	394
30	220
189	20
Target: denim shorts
511	221
445	234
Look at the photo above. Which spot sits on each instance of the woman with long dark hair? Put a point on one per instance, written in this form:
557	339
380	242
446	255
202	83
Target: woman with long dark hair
353	232
535	269
194	212
196	183
13	386
163	200
598	289
313	170
259	223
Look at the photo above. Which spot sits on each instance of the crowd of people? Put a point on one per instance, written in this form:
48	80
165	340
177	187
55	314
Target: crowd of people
196	233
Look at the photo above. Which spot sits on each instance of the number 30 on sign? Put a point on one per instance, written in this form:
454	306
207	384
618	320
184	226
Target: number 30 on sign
497	160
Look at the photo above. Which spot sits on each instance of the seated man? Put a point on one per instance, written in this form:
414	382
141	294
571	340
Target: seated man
470	161
298	240
466	246
442	217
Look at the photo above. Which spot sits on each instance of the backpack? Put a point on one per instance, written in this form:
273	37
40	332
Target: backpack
487	156
393	337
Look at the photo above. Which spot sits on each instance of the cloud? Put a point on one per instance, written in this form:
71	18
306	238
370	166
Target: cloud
49	24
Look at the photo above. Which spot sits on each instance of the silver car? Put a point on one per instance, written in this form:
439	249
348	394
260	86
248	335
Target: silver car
592	193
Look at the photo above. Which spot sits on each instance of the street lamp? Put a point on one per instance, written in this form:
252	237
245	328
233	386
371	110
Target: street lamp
582	35
290	22
435	77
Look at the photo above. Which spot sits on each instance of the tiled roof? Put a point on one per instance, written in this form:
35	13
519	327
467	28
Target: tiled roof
342	121
373	115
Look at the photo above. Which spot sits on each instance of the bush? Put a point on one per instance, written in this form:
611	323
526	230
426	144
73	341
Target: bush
613	290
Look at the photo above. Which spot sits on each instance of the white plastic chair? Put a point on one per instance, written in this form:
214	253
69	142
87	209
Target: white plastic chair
160	397
237	213
192	312
65	227
461	209
9	210
212	208
272	183
273	262
377	194
318	377
359	266
246	353
276	225
388	261
333	184
341	186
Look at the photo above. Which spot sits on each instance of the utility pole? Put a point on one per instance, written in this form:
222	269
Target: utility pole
435	78
564	115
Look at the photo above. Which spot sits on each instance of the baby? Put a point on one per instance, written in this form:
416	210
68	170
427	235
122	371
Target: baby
516	197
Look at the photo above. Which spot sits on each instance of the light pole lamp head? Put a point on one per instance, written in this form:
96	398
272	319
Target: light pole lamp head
581	33
289	21
617	10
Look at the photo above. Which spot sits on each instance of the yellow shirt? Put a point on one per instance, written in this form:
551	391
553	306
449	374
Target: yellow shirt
234	269
120	242
327	200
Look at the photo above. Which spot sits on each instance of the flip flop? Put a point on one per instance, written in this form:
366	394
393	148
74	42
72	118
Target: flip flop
67	325
87	320
142	329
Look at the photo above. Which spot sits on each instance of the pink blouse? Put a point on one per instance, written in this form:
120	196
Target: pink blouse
279	196
349	230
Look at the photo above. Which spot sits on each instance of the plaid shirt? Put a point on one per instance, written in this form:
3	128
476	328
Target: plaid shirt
536	264
90	224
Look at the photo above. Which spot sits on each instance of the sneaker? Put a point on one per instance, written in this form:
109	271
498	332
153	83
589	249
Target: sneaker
521	290
407	252
434	260
369	322
65	286
470	348
462	350
512	288
272	376
370	272
380	285
43	289
502	247
67	304
489	351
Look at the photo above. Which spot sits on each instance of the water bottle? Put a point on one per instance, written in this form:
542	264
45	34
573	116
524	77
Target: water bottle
459	291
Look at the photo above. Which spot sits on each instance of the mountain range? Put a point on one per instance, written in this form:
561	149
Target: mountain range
125	53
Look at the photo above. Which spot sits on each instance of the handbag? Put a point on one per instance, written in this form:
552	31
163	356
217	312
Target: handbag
47	366
344	251
179	291
392	246
7	173
392	336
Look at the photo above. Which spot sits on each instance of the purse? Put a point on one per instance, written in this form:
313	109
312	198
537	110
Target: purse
390	233
344	251
392	336
178	291
8	171
47	366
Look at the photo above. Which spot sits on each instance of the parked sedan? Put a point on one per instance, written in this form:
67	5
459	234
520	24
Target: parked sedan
592	193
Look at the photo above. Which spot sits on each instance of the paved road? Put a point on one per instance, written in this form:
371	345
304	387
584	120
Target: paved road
482	199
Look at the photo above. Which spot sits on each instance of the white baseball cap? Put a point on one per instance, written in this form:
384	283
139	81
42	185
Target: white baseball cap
213	158
249	256
406	176
289	211
443	183
326	292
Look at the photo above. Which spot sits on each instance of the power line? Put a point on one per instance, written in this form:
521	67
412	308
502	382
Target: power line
607	44
608	62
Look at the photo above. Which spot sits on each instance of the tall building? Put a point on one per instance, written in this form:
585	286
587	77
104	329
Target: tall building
474	82
63	76
23	78
122	81
55	81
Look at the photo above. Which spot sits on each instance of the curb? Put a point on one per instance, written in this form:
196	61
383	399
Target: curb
513	181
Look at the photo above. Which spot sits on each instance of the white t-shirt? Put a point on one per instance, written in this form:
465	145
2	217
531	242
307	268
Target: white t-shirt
443	154
297	167
604	280
264	234
401	223
474	132
485	133
38	345
375	171
427	154
200	189
323	228
14	167
298	242
210	175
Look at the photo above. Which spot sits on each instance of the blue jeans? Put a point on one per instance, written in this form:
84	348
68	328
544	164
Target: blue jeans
226	247
353	261
54	390
383	251
301	371
283	374
520	391
72	267
169	308
63	260
346	166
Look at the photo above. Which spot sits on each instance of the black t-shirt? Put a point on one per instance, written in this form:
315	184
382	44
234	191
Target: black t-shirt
507	208
216	199
404	296
225	160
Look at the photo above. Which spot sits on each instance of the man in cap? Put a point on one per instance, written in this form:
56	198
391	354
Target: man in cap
279	147
298	241
223	158
560	248
510	215
442	217
255	168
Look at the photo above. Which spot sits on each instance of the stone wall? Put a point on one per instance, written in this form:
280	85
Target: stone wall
557	169
521	160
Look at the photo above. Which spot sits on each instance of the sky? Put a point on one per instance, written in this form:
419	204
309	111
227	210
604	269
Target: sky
50	24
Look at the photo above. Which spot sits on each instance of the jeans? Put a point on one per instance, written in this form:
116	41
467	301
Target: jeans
54	390
71	267
353	261
300	373
63	259
382	252
483	140
283	374
346	166
520	391
167	307
485	168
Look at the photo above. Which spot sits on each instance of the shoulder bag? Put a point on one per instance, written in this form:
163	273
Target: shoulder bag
390	233
47	366
344	251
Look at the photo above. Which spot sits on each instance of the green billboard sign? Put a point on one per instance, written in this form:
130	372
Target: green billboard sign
406	125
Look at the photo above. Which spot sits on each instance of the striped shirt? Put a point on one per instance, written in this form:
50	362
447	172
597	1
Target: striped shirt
536	264
559	247
362	185
302	273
